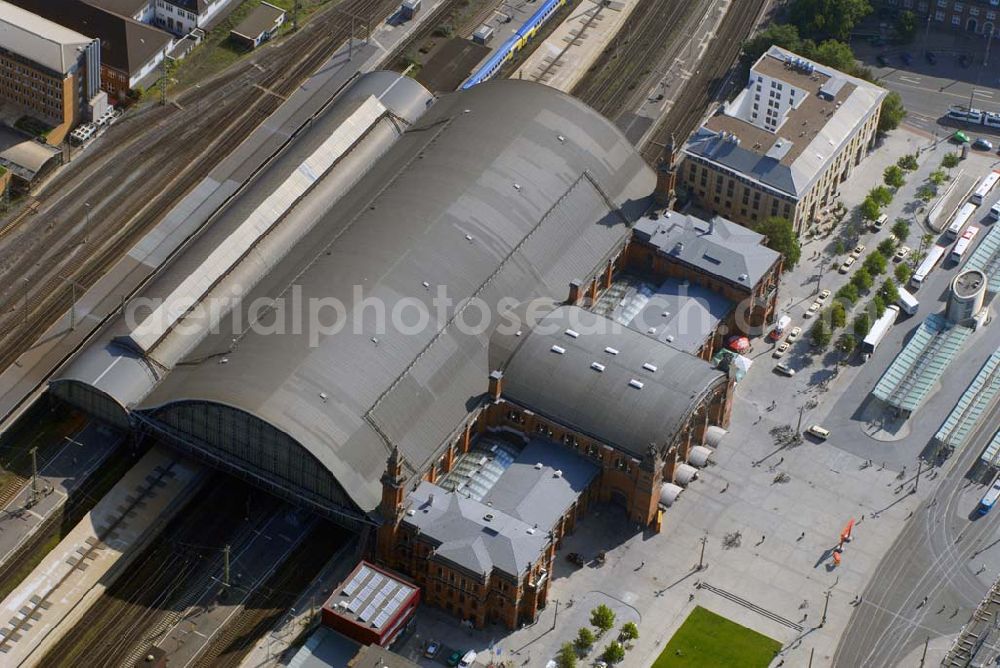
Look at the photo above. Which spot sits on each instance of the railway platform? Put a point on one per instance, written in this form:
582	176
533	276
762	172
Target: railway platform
75	573
59	477
562	59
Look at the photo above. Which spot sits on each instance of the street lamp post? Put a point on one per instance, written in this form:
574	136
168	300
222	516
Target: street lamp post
72	307
989	40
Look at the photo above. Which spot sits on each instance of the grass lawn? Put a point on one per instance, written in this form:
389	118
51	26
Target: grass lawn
706	640
216	52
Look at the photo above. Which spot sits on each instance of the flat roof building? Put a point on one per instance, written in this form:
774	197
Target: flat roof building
785	143
46	69
371	606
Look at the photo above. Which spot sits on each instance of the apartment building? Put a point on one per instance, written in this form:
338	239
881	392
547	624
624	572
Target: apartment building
47	70
975	16
784	144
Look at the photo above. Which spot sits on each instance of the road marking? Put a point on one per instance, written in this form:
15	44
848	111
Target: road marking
915	80
982	93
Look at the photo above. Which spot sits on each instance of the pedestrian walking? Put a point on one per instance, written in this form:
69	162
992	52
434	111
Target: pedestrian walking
801	536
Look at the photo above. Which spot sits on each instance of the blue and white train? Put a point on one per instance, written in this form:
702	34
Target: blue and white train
514	43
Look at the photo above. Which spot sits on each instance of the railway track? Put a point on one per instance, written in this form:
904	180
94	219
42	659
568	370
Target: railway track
19	563
158	587
652	29
270	601
87	222
709	81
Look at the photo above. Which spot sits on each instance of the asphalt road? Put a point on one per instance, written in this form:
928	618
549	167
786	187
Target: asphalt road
929	89
942	555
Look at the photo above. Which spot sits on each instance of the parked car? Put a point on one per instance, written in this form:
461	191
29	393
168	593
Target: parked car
846	267
784	369
931	58
781	349
813	309
858	250
982	144
823	296
454	658
433	647
794	334
901	253
822	433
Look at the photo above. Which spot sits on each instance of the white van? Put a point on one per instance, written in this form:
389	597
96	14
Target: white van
822	433
995	211
468	659
879	222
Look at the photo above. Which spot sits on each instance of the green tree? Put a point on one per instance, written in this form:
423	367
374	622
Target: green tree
614	652
602	617
893	113
838	314
781	237
846	343
901	229
629	632
894	176
862	280
827	18
950	160
870	209
889	291
584	639
925	193
848	293
881	195
908	162
887	246
861	325
835	54
875	263
879	305
820	333
566	658
906	26
784	35
838	247
937	177
902	272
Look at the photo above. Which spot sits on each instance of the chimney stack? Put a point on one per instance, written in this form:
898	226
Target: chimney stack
496	384
666	176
